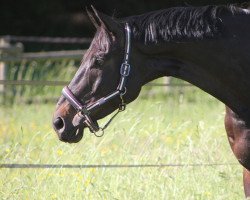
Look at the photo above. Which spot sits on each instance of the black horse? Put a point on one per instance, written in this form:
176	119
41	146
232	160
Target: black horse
207	46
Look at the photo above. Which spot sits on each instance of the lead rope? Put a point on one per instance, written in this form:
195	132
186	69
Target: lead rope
122	107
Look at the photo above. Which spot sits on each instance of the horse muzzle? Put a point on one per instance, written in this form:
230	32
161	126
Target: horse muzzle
68	132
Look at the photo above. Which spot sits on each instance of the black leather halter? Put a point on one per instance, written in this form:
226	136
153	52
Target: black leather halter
85	111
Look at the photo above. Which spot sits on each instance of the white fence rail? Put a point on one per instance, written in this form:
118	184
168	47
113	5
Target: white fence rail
52	55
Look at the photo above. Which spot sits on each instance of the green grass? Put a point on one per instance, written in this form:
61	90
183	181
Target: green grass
182	127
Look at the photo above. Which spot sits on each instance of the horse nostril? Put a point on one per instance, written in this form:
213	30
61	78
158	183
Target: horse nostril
58	123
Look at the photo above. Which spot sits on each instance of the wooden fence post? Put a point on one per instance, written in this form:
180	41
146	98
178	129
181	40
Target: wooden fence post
7	51
3	67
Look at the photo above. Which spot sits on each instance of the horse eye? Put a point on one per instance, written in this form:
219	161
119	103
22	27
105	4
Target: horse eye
99	60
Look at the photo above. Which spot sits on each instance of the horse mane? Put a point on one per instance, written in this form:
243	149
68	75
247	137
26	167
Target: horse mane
181	23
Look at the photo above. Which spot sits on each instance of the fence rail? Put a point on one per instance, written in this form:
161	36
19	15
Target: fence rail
53	40
62	83
54	55
114	166
33	83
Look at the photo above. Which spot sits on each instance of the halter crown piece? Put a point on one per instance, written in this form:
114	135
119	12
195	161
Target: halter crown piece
85	111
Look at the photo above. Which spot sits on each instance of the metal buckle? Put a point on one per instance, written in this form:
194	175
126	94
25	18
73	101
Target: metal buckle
125	69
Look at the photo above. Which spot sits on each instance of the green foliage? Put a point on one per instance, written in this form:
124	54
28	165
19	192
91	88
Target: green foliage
48	70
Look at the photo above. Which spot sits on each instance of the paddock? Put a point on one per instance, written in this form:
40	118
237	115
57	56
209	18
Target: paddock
145	153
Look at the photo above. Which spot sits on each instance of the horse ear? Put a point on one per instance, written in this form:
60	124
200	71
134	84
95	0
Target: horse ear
100	19
92	17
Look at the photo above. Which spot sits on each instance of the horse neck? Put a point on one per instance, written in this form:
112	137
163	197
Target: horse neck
206	64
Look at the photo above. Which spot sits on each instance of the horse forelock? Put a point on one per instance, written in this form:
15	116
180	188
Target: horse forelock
181	23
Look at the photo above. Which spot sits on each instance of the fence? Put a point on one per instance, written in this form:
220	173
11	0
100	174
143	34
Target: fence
10	53
14	53
53	166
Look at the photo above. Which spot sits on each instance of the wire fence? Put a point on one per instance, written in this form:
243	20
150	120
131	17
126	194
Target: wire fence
67	166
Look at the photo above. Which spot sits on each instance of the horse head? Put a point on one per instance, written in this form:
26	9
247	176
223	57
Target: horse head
100	85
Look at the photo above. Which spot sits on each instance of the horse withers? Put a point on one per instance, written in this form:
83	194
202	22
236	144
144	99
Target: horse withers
207	46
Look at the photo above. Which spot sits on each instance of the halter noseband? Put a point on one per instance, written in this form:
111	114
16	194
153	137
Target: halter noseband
85	111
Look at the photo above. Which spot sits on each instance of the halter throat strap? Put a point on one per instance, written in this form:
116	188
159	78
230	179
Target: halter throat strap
85	111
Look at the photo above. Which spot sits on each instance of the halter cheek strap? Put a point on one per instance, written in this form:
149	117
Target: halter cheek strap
121	90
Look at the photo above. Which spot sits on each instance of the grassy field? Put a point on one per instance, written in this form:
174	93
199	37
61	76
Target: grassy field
178	128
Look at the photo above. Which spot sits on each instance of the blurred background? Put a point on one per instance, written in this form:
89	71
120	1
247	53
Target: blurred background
42	42
68	18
